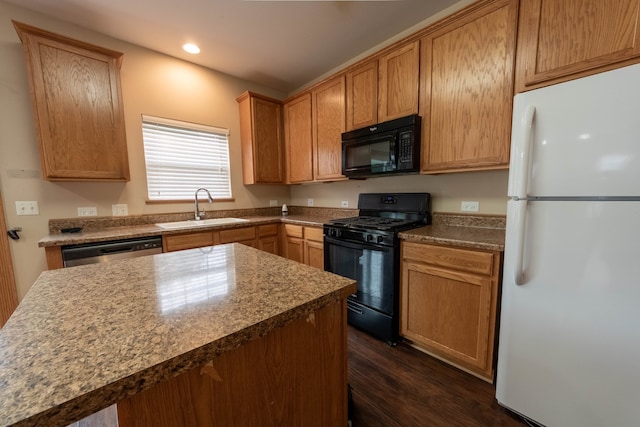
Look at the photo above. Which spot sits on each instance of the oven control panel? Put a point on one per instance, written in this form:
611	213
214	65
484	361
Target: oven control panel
372	237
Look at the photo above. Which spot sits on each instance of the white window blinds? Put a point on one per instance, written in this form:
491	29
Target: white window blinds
181	157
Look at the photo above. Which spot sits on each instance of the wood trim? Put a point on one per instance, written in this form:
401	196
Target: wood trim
8	292
54	257
23	29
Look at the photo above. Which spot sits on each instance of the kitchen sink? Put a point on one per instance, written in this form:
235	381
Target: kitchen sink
199	223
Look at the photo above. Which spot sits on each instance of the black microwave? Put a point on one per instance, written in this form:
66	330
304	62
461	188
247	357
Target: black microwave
387	148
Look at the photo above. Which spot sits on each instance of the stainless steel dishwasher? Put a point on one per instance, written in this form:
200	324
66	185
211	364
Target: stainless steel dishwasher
94	253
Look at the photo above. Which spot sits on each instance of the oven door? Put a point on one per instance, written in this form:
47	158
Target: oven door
372	266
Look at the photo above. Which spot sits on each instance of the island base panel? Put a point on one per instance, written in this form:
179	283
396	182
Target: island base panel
293	376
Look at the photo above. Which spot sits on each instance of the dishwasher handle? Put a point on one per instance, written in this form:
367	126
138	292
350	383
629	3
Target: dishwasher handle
117	249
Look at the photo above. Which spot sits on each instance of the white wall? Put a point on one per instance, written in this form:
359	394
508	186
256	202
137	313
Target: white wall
153	84
447	190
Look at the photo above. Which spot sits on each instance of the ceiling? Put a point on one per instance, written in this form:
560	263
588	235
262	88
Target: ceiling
279	44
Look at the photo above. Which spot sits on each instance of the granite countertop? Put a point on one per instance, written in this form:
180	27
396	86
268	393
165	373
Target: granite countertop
146	230
85	337
472	231
476	232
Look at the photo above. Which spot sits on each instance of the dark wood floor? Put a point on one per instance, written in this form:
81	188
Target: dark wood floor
401	387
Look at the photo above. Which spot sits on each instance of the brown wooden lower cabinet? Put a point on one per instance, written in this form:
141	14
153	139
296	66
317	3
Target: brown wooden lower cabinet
269	238
314	247
295	375
304	244
178	242
449	304
251	236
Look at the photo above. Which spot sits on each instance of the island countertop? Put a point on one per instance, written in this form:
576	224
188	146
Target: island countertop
86	337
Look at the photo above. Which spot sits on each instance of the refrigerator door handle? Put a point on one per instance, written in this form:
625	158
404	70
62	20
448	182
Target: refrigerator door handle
525	155
520	227
522	183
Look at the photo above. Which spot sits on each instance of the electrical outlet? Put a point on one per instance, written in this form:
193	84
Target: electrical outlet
466	206
273	203
27	208
88	211
309	202
344	204
120	210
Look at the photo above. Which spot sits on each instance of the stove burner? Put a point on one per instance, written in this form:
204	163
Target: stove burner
372	222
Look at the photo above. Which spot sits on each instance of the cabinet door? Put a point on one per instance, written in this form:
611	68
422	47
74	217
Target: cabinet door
269	238
244	235
398	88
314	247
269	244
362	96
467	90
187	241
564	39
261	139
328	124
447	312
77	102
293	242
314	254
294	248
299	145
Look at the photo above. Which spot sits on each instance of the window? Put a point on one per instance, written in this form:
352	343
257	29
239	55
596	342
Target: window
181	157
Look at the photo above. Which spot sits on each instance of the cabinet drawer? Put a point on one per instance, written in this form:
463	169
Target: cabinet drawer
268	230
313	233
292	230
187	241
471	261
237	234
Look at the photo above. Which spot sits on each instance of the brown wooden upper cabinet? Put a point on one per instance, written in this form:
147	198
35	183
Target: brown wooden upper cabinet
398	82
298	140
362	95
328	121
77	102
383	88
261	139
314	122
561	40
466	92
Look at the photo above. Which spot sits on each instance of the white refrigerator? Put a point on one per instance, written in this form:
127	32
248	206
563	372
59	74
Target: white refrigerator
569	343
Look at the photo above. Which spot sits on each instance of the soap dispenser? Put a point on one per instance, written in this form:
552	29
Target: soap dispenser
285	211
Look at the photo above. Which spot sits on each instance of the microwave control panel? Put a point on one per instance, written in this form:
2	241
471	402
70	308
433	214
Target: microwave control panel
405	150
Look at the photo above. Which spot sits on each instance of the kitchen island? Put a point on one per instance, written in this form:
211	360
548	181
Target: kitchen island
215	336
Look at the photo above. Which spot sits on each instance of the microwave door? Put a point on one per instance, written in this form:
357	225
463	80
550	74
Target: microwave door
370	155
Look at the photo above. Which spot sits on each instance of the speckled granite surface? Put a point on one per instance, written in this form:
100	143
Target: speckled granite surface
474	231
85	337
470	231
99	229
100	223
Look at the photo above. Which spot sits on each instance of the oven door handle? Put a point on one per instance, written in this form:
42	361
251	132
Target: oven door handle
355	310
353	245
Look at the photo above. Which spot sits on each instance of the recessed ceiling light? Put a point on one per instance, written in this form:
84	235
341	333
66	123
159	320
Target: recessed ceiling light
191	48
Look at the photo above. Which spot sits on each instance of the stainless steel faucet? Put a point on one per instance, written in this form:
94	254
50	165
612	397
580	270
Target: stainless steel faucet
198	213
